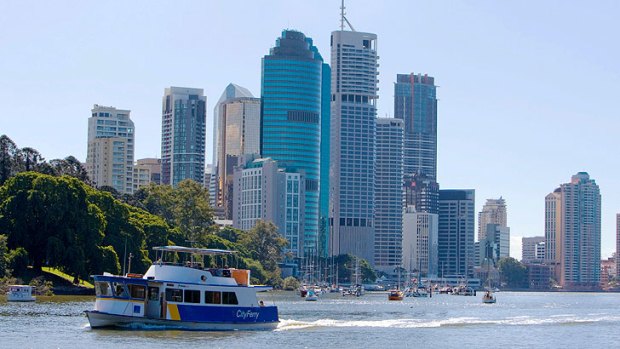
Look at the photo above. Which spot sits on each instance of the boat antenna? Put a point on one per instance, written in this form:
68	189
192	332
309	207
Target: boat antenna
344	19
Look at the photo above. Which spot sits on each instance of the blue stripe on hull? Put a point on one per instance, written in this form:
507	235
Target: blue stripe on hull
228	314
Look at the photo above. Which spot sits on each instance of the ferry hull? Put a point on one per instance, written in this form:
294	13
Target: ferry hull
99	319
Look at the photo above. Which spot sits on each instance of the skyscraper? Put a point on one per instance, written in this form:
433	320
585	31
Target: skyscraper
263	191
183	135
456	232
493	212
352	166
236	125
291	94
420	242
110	152
415	102
581	216
389	195
553	232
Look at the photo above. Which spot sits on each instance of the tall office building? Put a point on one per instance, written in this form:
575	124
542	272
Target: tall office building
236	132
581	230
352	166
264	191
415	102
493	212
389	195
420	239
533	249
183	135
495	245
110	151
291	93
456	232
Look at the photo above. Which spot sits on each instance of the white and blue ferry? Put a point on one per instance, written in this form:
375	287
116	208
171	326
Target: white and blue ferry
182	296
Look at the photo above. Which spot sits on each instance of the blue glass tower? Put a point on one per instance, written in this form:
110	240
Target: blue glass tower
291	91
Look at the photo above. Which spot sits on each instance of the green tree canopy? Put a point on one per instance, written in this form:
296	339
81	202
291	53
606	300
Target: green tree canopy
512	272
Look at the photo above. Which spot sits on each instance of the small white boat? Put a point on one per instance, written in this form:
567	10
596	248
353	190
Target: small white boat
312	296
182	296
488	298
20	293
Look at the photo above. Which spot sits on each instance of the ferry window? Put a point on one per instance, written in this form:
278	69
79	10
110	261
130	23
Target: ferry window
192	296
102	288
229	298
212	297
174	295
119	290
153	293
137	291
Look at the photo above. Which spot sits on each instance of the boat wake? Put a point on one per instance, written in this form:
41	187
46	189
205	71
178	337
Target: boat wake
289	324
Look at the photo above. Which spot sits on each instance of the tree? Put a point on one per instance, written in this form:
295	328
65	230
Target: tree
290	284
265	244
52	219
346	266
70	166
192	212
512	272
3	256
30	159
8	158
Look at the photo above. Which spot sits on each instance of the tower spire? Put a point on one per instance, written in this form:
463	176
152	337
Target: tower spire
343	18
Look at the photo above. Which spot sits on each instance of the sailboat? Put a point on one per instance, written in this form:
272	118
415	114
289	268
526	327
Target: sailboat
489	297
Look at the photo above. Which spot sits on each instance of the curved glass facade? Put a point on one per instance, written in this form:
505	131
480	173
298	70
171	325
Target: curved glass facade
291	118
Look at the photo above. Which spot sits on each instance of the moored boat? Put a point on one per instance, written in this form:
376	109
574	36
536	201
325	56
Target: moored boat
20	293
396	295
182	296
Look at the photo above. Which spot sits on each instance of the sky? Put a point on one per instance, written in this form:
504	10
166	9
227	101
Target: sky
527	89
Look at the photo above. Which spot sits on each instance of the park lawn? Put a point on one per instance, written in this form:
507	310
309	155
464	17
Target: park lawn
67	276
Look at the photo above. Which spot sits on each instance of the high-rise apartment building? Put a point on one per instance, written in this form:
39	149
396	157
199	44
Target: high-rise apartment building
264	191
352	166
236	132
183	135
420	239
493	212
291	93
110	152
581	217
456	232
573	232
533	249
389	195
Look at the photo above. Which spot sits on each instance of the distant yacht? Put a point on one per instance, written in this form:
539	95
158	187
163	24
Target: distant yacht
182	296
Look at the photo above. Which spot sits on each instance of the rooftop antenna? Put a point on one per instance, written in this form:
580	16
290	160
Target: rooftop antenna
343	18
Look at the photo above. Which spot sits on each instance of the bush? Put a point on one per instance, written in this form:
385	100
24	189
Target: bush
290	284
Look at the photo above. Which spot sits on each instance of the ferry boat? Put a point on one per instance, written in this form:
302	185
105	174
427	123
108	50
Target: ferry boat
183	296
20	293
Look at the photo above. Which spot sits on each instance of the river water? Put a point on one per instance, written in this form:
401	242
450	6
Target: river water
517	320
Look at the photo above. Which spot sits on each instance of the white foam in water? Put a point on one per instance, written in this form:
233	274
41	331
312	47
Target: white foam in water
430	323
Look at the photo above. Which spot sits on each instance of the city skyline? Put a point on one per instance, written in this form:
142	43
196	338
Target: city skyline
517	73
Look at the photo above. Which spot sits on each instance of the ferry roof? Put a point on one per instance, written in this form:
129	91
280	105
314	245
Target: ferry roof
200	251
